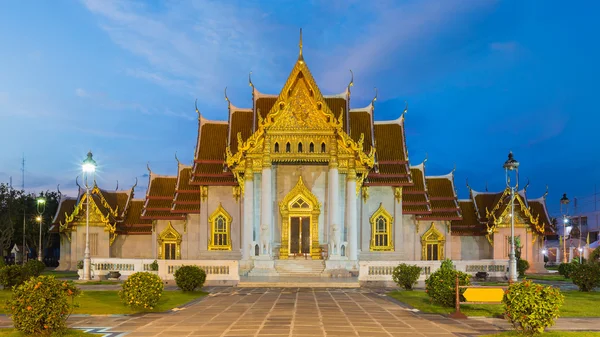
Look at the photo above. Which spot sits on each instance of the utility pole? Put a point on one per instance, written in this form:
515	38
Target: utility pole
24	207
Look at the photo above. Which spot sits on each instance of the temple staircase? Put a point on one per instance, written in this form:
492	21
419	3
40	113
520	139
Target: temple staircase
300	267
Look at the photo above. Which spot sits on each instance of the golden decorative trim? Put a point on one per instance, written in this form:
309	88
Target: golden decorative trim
220	235
288	210
237	192
398	194
385	236
433	236
169	235
365	193
204	193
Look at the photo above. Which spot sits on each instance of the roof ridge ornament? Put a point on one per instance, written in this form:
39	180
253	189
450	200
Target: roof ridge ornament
177	159
546	193
58	190
375	98
351	84
300	57
116	189
197	111
250	79
226	98
148	168
135	185
526	185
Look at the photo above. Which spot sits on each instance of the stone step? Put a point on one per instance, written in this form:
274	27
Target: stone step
299	267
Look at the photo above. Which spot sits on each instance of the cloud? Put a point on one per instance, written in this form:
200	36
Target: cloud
398	27
189	47
81	93
507	47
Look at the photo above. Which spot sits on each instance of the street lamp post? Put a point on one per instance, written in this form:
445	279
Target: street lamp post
512	165
88	167
564	207
41	207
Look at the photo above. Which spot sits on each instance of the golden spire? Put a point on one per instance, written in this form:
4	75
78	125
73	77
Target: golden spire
300	57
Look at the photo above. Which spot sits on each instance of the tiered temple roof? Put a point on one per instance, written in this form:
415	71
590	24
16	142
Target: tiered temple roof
426	197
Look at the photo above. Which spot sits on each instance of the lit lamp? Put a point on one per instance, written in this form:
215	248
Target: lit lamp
89	168
41	207
511	168
564	207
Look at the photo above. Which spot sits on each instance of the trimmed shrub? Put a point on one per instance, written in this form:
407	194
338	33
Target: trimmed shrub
141	290
41	305
586	276
154	266
441	285
34	268
522	266
406	276
595	255
80	264
565	269
532	307
13	275
188	278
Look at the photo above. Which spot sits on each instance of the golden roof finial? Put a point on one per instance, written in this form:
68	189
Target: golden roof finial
226	98
405	108
351	79
486	186
116	189
177	159
375	98
196	106
250	79
58	190
546	194
134	185
300	57
148	167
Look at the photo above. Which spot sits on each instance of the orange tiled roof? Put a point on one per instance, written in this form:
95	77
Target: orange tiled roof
414	197
66	206
263	105
392	163
360	124
469	224
159	198
338	105
241	122
444	204
209	161
187	196
133	223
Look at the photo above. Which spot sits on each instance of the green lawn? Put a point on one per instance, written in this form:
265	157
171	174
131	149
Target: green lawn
551	334
61	274
549	277
68	333
108	302
577	304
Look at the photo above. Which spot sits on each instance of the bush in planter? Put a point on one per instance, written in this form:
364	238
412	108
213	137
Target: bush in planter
41	305
531	307
586	276
80	264
522	266
142	290
34	268
441	285
406	276
188	278
154	266
13	275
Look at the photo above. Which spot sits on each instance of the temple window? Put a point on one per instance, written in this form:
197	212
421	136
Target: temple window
276	147
299	147
287	147
323	147
220	230
169	244
432	243
311	147
381	230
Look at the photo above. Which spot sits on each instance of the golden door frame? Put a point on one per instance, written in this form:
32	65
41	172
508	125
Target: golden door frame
300	202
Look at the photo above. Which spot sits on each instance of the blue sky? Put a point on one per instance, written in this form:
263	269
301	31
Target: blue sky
480	77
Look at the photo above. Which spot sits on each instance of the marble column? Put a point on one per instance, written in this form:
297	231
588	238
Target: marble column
266	212
398	232
333	210
351	216
247	231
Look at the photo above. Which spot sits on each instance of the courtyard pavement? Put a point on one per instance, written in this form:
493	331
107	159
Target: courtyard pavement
293	312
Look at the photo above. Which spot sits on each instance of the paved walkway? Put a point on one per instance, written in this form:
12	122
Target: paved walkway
294	312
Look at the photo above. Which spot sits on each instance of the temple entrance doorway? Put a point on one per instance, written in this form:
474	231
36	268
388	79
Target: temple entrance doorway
299	235
300	211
